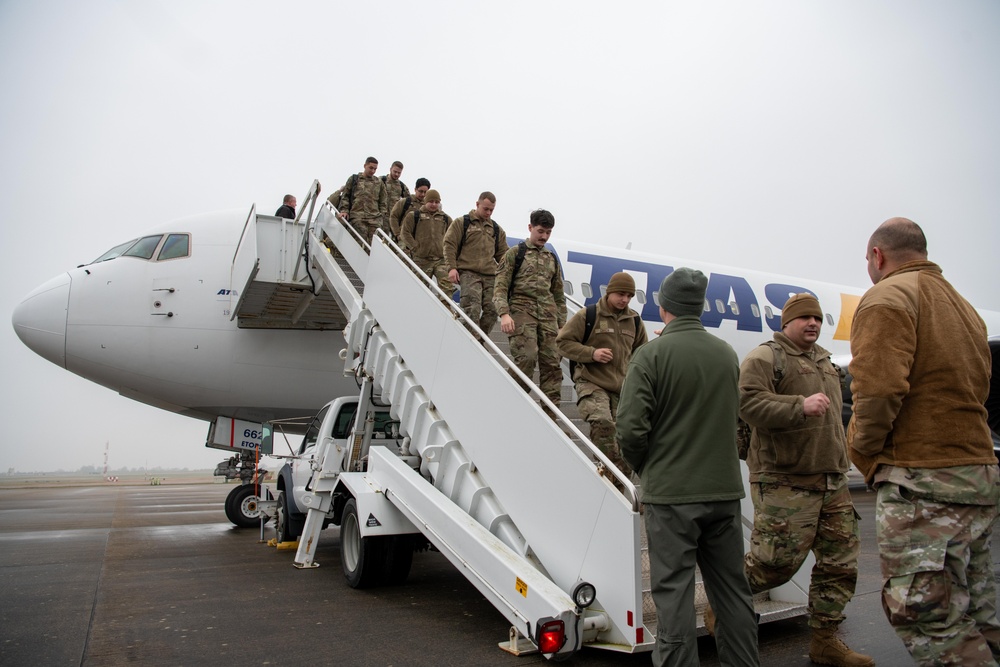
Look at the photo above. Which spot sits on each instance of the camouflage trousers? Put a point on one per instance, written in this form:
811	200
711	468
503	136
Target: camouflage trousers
788	523
436	268
599	408
476	298
366	227
534	341
938	589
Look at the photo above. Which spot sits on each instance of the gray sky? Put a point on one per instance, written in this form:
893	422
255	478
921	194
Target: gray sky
769	135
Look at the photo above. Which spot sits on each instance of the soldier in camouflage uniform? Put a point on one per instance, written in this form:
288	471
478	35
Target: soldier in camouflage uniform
790	394
395	190
363	201
531	304
602	360
919	434
422	237
399	210
473	247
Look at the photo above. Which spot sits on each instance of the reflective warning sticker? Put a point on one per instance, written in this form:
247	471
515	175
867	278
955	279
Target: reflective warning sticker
521	587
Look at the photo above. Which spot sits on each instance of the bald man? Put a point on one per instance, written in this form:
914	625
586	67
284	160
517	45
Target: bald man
921	367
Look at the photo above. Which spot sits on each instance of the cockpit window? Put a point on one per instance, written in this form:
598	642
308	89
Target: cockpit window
114	252
176	245
144	247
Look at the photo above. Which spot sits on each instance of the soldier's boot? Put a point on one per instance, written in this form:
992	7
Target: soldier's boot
709	619
826	648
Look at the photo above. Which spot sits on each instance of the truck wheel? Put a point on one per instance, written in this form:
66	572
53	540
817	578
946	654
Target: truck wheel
398	558
288	530
242	508
363	558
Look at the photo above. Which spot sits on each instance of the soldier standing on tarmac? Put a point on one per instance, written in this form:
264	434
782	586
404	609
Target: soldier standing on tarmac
399	210
363	201
473	247
921	366
422	236
677	428
790	394
601	356
529	297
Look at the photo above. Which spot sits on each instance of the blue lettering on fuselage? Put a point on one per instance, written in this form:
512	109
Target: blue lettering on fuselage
724	288
602	268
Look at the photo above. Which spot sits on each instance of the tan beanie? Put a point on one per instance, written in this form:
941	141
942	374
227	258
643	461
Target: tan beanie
432	195
800	305
621	282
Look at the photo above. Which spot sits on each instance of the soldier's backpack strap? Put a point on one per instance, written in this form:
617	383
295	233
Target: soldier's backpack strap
353	182
780	358
466	221
589	318
522	248
744	432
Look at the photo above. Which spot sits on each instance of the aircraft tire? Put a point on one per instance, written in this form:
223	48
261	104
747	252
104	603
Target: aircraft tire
362	558
288	529
228	505
241	506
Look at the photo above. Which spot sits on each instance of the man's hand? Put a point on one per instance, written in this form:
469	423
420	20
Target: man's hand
507	324
603	355
815	405
453	276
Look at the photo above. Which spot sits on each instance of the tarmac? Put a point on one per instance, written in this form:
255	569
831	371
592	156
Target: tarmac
154	575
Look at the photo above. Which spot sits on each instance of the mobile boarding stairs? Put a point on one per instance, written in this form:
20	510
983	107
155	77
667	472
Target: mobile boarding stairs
522	504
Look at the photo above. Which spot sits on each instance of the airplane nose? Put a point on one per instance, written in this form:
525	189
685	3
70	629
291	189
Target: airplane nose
40	319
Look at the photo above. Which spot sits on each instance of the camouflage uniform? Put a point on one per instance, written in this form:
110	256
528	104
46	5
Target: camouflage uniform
423	240
364	201
484	246
534	299
395	190
598	385
798	483
398	212
921	367
934	528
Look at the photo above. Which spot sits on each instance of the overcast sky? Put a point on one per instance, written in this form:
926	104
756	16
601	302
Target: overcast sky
768	135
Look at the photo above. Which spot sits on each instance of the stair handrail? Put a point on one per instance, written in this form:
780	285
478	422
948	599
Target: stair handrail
627	488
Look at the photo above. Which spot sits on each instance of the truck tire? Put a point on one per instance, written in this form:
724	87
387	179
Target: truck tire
242	508
398	558
363	558
288	528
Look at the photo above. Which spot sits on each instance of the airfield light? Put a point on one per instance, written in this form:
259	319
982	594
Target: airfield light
551	636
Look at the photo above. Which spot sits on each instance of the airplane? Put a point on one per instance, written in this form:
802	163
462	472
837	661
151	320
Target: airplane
154	319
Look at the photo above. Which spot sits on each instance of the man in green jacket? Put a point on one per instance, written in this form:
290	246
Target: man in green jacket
919	434
790	394
677	429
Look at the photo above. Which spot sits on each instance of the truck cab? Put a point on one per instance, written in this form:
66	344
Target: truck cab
337	427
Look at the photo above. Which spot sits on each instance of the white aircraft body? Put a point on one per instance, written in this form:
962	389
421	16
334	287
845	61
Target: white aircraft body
152	319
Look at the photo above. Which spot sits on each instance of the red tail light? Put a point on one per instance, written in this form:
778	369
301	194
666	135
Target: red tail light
551	636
